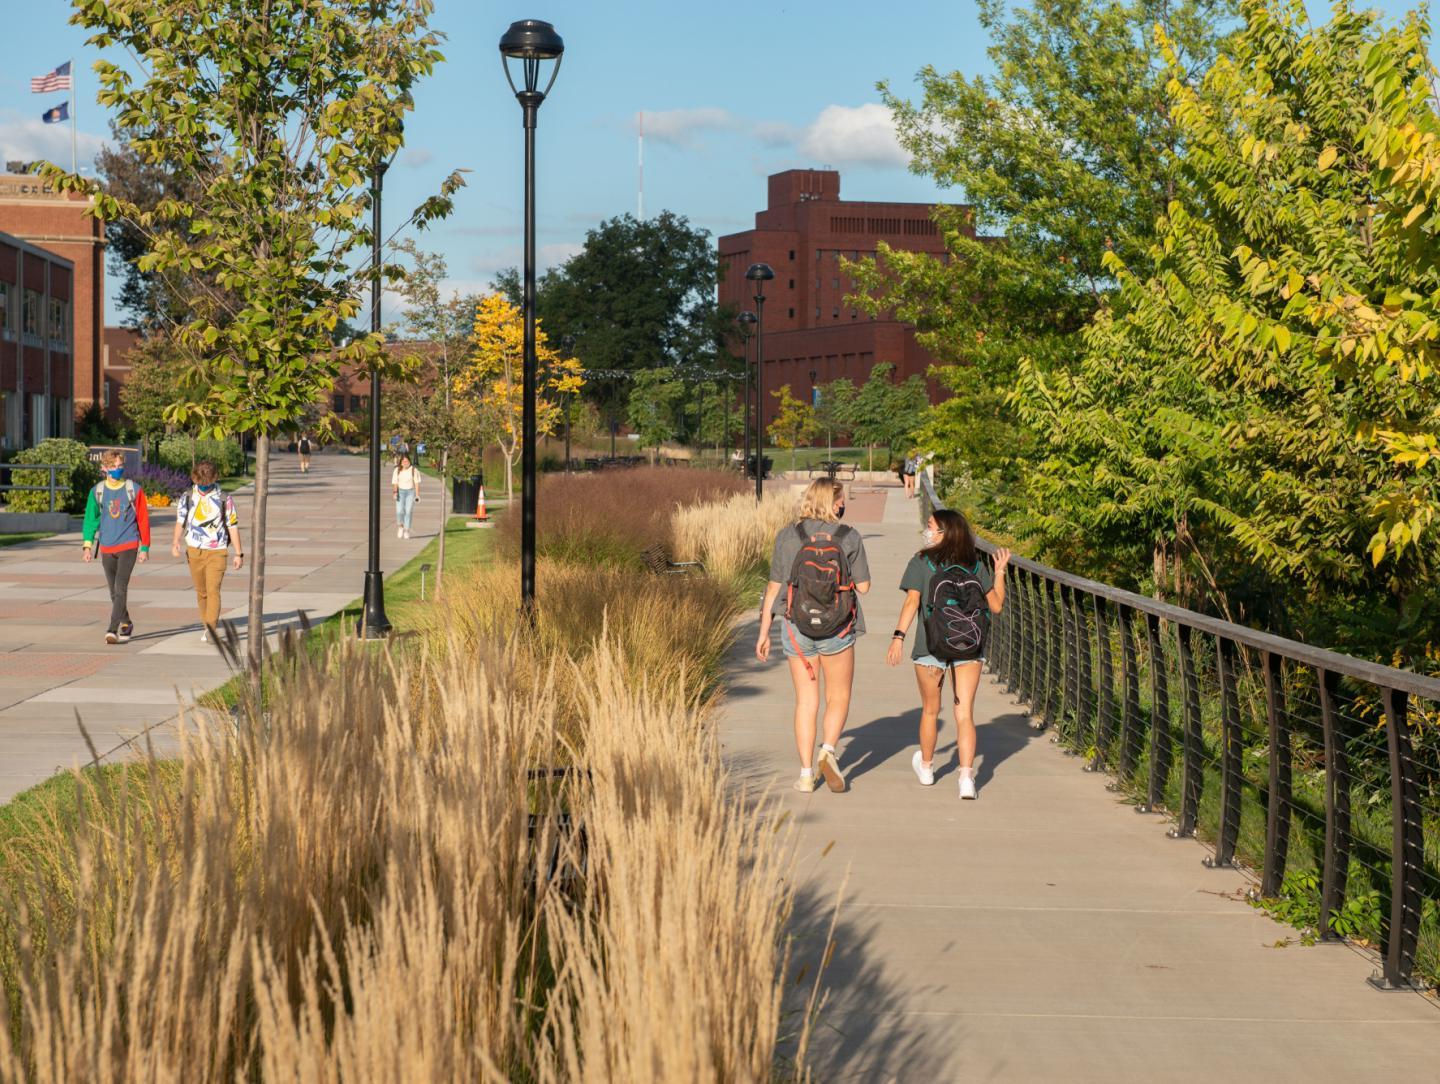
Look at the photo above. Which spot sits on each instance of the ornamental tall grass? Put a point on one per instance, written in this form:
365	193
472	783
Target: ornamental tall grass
734	535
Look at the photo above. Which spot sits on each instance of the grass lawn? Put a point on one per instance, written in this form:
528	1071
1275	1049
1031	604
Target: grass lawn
17	539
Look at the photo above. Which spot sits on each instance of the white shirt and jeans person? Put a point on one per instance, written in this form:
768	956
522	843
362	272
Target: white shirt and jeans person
405	485
821	510
205	517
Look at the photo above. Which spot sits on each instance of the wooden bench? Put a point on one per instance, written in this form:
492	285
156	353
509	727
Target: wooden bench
659	562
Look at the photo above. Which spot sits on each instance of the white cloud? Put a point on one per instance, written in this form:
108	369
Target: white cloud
27	138
546	256
679	126
776	133
415	157
862	135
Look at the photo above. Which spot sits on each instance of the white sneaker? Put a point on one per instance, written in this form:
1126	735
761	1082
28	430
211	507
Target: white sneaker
407	532
399	532
927	775
967	786
204	637
830	768
806	784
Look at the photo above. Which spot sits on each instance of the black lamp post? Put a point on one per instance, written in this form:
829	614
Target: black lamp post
746	320
567	346
759	274
532	42
374	624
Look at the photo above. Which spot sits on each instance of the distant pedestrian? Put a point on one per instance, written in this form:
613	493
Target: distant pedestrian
205	518
117	523
305	450
909	467
949	586
405	485
817	571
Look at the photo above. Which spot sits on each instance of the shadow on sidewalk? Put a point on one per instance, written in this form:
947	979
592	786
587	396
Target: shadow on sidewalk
871	744
860	1030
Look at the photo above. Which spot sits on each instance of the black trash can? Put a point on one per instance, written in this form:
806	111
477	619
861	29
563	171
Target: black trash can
466	492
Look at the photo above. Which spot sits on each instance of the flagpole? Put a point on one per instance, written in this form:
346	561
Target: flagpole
74	111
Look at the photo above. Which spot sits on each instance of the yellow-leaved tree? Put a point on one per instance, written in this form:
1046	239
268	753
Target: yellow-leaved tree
493	376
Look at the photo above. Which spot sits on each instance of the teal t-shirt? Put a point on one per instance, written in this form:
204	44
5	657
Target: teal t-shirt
916	577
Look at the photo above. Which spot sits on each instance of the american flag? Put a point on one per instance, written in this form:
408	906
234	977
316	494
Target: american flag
50	82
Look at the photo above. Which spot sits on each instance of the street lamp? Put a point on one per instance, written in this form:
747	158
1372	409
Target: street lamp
567	347
759	274
374	625
532	42
746	320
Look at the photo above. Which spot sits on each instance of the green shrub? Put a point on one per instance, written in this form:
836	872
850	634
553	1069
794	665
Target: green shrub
228	457
74	483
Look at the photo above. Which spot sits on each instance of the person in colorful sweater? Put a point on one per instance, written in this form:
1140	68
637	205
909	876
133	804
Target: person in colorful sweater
117	523
206	517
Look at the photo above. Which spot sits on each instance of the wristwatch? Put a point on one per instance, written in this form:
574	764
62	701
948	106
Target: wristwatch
899	634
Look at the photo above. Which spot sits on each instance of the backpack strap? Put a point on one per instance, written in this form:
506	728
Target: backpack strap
801	531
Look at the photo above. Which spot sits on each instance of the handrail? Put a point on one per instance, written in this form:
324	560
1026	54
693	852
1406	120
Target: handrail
1373	673
51	487
1077	652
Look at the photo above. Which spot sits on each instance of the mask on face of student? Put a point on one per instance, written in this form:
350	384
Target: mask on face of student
840	512
210	488
115	472
928	536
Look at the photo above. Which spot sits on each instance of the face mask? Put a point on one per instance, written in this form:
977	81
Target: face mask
928	536
840	512
115	472
210	487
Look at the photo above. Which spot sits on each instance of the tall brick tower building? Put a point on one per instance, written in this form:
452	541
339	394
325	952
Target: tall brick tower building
35	213
811	335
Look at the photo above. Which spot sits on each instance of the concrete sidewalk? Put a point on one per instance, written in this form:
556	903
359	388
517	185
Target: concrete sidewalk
1046	931
54	663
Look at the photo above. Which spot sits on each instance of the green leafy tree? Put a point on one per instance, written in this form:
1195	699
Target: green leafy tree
652	409
1069	151
432	409
1244	411
638	295
272	121
832	412
794	422
884	413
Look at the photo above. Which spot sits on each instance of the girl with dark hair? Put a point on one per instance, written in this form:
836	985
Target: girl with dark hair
953	591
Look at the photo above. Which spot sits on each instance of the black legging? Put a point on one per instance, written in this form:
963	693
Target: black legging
118	567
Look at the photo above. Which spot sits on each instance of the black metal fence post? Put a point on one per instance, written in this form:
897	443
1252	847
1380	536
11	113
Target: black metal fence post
1070	683
1130	709
1160	740
1085	723
1279	796
1193	778
1407	851
1228	830
1337	805
1105	714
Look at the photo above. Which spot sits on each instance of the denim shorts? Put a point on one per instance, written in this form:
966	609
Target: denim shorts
830	645
932	661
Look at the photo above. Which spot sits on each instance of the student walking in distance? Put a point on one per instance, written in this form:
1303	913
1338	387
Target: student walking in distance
405	485
817	571
117	523
205	518
948	585
305	449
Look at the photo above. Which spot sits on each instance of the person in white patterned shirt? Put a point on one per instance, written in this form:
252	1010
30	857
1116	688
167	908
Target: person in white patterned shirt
205	516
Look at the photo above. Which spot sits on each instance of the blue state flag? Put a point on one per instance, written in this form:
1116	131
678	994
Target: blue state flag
56	114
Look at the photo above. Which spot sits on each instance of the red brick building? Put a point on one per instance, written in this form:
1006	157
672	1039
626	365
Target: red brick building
34	212
36	333
811	335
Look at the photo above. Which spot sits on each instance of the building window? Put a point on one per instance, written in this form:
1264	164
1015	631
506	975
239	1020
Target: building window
339	401
835	313
31	325
792	253
817	312
4	306
354	404
792	284
834	284
792	314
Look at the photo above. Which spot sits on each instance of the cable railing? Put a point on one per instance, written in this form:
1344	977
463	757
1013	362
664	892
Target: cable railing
1320	770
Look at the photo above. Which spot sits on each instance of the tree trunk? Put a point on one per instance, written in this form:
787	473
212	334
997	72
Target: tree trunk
444	519
1159	565
255	626
509	480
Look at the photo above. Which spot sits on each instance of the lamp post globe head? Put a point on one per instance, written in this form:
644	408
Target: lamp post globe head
531	41
760	274
746	320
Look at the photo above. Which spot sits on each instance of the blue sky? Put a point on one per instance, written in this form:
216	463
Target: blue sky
731	93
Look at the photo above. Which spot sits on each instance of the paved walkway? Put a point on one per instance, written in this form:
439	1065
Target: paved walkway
54	663
1044	932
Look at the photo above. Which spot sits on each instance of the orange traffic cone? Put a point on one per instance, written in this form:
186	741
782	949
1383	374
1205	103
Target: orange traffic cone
480	515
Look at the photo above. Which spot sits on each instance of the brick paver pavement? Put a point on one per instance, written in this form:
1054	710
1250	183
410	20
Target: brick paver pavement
55	665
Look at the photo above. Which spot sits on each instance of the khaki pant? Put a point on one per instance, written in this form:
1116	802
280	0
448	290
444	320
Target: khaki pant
207	569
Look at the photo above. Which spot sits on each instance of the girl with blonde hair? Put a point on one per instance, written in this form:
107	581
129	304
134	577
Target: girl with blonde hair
818	570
